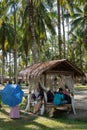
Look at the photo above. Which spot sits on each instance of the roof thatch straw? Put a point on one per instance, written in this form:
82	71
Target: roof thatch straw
63	65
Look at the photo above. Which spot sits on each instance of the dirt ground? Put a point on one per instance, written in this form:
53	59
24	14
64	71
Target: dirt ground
80	105
81	100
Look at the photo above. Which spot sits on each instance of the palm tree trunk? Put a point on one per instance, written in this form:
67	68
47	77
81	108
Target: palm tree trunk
67	21
3	63
9	63
81	61
34	47
15	47
63	25
59	30
3	53
31	17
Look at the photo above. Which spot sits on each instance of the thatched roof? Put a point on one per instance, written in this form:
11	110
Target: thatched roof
36	70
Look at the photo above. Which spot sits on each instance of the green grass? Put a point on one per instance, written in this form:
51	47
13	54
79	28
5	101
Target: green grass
80	87
32	122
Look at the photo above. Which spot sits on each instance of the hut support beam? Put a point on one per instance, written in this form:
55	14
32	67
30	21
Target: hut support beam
28	99
73	105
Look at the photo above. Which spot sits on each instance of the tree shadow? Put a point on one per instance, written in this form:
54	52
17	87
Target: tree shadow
4	111
29	121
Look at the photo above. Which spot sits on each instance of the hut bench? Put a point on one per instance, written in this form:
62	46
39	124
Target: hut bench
50	107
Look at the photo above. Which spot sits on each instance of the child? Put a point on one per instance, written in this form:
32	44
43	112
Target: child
14	112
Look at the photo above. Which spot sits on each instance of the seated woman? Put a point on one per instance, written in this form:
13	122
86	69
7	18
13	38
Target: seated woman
67	96
61	97
40	97
58	97
50	96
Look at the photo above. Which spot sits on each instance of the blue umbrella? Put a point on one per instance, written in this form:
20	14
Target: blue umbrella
12	95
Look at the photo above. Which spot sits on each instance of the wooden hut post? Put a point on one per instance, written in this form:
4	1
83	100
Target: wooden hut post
73	100
43	85
28	97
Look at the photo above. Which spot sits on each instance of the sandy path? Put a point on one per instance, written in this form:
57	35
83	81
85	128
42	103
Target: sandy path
81	100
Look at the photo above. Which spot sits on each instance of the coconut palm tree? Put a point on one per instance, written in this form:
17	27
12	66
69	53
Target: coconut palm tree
6	34
13	7
77	45
66	5
41	23
30	9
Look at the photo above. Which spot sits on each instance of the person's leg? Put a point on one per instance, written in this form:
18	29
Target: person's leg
14	112
37	107
64	102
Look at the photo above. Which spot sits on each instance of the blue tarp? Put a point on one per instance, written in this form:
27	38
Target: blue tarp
12	95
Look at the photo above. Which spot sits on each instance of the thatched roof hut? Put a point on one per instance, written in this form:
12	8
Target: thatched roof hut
49	71
56	66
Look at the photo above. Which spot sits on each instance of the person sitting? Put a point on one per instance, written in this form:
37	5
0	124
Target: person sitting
33	96
67	96
58	97
40	97
50	96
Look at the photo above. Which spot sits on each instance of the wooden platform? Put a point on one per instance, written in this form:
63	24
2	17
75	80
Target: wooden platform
50	108
57	106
